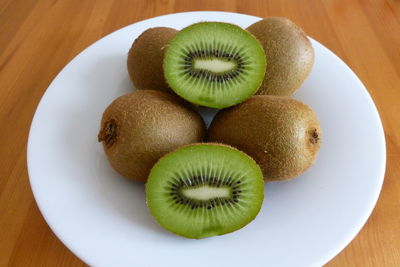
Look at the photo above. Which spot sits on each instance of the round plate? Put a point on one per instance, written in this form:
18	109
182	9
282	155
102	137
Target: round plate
103	218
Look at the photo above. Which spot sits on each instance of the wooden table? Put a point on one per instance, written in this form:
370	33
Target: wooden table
38	38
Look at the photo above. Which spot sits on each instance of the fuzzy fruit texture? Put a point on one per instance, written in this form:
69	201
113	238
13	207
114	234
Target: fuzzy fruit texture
140	127
145	59
283	135
289	54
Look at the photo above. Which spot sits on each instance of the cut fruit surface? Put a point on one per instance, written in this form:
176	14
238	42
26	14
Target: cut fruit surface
214	64
204	190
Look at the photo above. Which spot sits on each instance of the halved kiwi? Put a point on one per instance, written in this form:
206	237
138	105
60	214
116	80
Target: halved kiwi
203	190
214	64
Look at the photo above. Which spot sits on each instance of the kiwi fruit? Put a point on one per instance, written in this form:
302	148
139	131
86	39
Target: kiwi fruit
140	127
282	134
203	190
289	53
145	59
214	64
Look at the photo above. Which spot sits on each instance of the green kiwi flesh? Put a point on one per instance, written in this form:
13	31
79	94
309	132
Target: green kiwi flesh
282	134
214	64
289	53
203	190
140	127
145	59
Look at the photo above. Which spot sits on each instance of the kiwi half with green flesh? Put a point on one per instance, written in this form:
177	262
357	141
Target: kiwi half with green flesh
283	135
203	190
139	128
214	64
145	59
289	53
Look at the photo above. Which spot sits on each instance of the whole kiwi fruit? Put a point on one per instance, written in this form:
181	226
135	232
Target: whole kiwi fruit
289	54
282	134
140	127
145	59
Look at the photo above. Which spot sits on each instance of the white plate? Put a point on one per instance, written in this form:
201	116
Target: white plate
103	218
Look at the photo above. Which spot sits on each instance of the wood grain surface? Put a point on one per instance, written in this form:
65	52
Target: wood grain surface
39	37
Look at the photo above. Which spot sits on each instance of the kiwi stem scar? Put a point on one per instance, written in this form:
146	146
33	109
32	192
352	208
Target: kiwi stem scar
108	133
314	136
206	192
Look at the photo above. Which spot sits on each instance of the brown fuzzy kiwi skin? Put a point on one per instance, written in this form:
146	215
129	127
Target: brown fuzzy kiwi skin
138	128
281	134
145	59
289	53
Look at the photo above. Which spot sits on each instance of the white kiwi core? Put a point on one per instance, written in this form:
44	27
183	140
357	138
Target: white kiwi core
206	192
215	65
